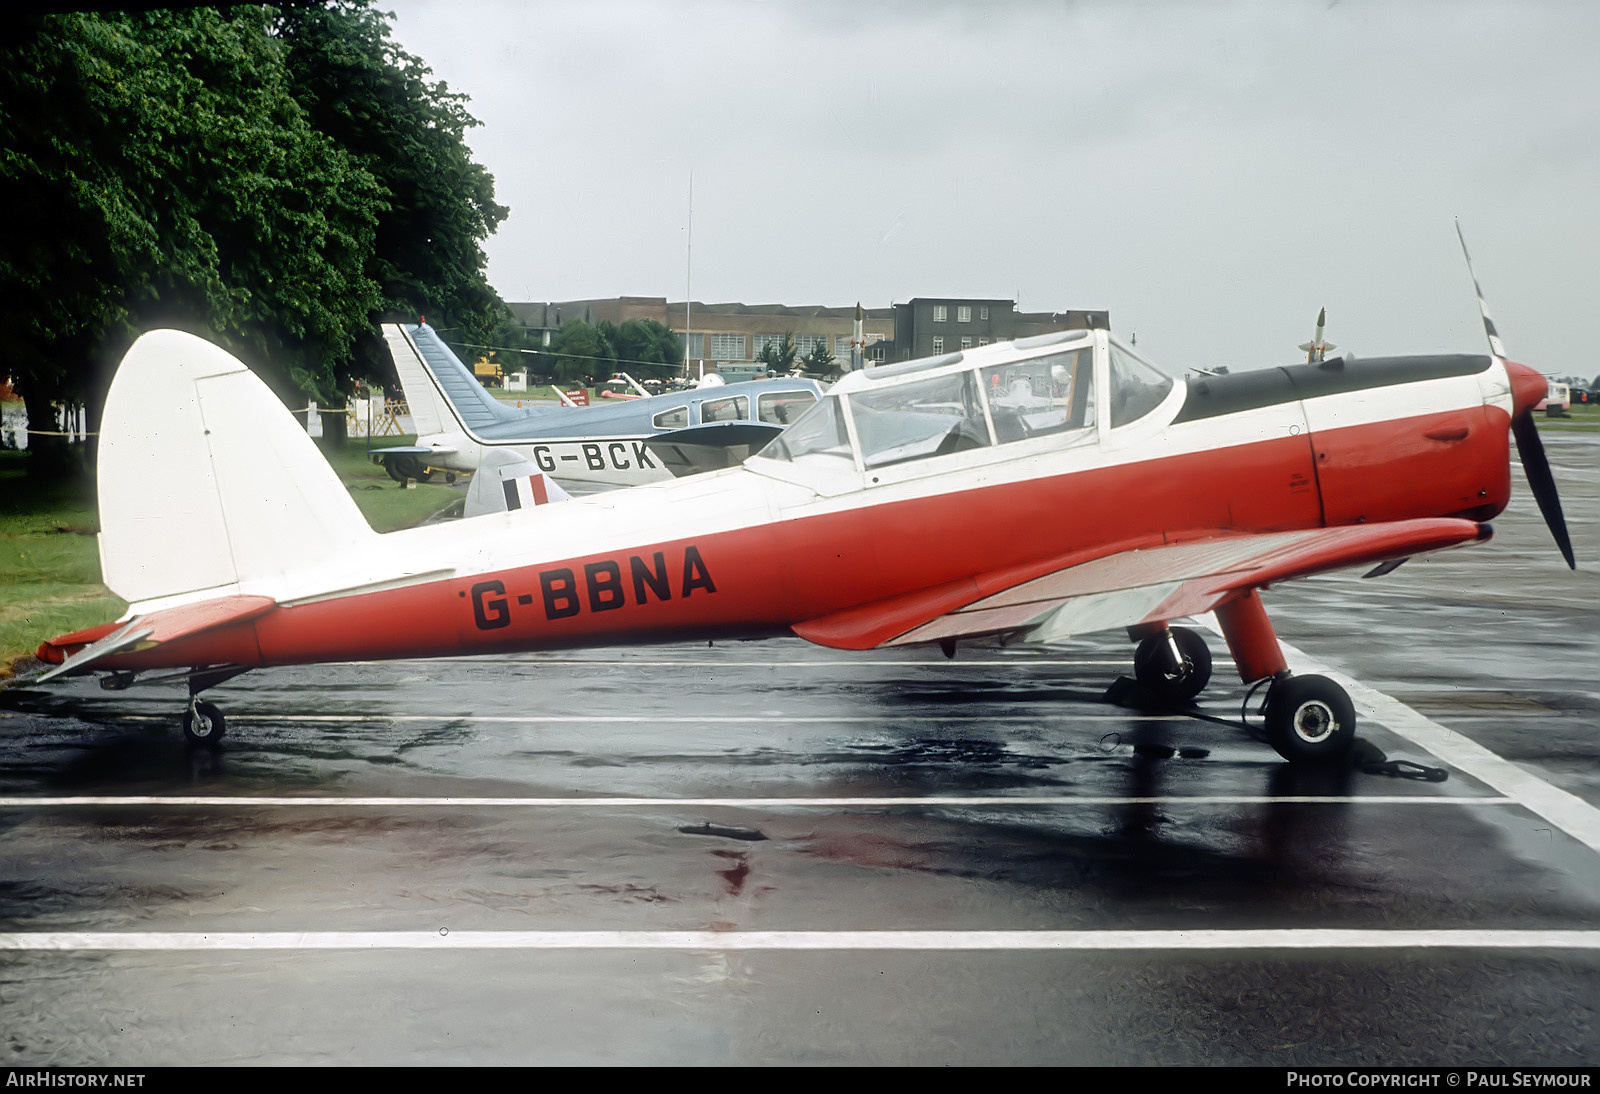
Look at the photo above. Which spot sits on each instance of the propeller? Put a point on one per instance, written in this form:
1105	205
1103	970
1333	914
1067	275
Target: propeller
1527	388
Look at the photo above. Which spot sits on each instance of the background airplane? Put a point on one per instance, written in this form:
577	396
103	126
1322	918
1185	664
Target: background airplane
1025	491
627	443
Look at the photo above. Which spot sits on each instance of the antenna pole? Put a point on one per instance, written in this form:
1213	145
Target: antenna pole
688	273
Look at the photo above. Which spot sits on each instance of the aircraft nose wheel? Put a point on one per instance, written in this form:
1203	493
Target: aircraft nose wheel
1310	719
203	724
1173	665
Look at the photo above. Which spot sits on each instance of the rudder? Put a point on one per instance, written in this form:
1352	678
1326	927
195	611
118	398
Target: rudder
206	482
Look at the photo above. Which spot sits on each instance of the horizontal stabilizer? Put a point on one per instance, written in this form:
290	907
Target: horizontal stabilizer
149	630
413	450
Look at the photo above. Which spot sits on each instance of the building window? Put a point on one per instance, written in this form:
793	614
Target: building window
983	341
727	347
841	347
940	313
983	311
938	346
694	346
805	343
876	351
966	343
964	314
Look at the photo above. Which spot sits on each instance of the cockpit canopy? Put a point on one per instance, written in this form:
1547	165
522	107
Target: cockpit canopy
1071	386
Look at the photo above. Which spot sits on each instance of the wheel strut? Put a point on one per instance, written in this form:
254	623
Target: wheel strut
1173	664
203	723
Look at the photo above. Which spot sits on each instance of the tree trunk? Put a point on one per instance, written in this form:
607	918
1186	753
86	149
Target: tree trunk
48	453
334	427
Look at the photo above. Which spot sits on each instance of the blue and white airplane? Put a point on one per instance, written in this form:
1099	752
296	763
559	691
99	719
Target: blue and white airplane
627	443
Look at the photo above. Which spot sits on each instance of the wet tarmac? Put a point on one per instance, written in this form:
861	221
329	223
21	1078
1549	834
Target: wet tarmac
768	852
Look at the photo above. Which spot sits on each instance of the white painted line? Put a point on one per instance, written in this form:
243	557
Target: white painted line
698	719
233	801
863	661
1267	939
1568	812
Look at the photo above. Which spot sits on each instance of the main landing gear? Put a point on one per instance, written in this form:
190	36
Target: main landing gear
403	465
1309	719
203	723
1173	665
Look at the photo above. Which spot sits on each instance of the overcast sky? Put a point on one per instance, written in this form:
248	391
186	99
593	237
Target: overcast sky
1209	173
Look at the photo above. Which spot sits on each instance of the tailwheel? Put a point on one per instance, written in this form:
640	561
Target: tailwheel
203	723
1173	665
1310	719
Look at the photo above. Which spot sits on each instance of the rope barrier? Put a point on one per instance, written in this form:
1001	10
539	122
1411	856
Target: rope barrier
389	413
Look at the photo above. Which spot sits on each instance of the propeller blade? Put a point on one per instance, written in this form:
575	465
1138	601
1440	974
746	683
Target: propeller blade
1534	464
1495	345
1530	449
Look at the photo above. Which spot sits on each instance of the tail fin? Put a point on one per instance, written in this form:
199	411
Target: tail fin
442	393
206	481
506	480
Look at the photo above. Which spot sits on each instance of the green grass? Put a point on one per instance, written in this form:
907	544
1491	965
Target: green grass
544	395
1583	417
50	562
385	504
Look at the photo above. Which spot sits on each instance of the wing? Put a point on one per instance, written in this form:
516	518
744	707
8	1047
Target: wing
1149	583
711	446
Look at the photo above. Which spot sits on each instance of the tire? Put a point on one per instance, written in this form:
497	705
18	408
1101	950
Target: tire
391	464
1153	668
1310	720
203	724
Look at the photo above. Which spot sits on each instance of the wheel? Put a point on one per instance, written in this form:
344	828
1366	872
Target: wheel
1153	666
395	467
203	724
1310	720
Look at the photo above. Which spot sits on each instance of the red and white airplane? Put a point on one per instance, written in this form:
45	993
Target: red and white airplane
1029	490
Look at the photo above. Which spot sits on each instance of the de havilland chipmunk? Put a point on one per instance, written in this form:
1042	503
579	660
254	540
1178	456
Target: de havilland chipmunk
1029	491
634	441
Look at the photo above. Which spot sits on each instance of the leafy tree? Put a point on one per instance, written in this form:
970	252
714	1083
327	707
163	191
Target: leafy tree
275	179
171	179
644	349
516	348
579	352
820	362
779	357
376	102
